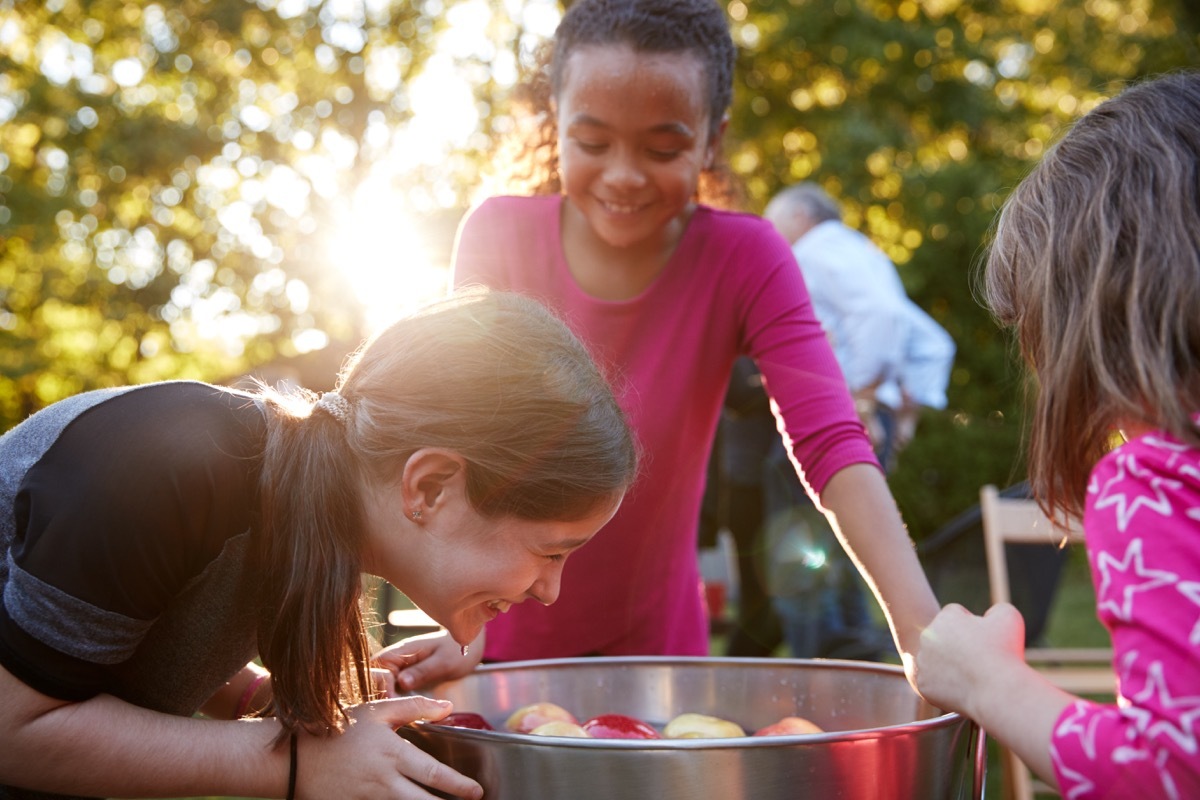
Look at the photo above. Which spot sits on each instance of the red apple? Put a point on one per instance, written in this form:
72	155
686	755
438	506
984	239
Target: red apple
560	727
789	726
619	726
465	719
526	718
701	726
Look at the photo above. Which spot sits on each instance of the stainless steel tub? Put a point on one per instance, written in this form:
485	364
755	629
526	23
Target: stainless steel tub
882	740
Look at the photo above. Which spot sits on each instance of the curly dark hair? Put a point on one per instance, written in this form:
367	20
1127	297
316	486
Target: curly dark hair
648	26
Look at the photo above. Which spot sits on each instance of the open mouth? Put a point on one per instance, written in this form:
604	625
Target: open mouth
498	607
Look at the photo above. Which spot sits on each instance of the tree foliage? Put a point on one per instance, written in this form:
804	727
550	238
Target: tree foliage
920	116
169	172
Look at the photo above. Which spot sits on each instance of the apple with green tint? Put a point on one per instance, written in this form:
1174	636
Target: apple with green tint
528	717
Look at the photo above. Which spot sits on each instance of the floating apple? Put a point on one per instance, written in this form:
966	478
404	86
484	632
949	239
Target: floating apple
619	726
701	726
560	727
526	718
466	719
789	726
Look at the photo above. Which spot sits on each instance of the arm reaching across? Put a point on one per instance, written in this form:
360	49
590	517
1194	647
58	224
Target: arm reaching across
106	747
431	658
869	525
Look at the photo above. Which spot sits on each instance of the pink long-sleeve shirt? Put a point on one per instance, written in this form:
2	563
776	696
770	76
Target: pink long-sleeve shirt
732	286
1142	524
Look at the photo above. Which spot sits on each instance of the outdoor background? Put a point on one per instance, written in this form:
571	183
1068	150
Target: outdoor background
207	189
214	188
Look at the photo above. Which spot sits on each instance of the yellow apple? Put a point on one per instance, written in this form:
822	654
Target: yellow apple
560	727
528	717
701	726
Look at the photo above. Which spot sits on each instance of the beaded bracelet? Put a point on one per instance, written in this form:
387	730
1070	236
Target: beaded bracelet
291	793
243	704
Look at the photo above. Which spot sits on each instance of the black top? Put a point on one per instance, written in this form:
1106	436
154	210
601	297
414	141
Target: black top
127	560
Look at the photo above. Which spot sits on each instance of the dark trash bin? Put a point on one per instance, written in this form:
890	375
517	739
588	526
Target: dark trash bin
956	565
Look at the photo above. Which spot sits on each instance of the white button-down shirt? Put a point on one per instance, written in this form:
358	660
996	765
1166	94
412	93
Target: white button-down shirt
879	335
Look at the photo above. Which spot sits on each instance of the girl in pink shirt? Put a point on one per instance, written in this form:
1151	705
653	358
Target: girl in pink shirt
667	292
1096	265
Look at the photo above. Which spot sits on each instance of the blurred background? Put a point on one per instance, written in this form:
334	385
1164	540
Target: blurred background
215	188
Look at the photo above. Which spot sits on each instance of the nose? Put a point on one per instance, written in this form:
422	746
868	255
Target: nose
545	589
623	169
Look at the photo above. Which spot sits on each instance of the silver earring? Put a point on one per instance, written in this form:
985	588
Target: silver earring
416	514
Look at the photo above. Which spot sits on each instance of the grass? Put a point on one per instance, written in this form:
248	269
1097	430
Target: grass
1073	621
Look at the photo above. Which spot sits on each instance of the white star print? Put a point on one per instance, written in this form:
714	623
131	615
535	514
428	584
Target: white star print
1080	785
1128	472
1168	783
1191	590
1177	450
1182	734
1085	733
1133	568
1127	755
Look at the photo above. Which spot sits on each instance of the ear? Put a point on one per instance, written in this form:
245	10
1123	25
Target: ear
714	143
430	476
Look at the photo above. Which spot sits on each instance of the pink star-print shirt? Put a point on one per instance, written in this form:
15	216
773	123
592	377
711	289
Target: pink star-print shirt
1142	525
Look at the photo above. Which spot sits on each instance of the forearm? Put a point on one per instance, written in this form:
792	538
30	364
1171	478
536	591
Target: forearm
104	747
870	527
1018	708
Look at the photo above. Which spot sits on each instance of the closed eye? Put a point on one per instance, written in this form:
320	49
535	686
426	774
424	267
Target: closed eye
591	148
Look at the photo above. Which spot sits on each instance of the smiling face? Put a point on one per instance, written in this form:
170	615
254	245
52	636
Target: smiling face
486	566
634	136
462	568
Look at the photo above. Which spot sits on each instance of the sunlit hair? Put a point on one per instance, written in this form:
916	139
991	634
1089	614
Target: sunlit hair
493	377
1095	264
699	27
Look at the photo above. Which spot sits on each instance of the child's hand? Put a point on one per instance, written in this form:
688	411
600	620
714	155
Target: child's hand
962	655
422	661
369	760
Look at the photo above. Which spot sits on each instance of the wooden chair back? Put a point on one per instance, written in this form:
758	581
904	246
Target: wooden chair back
1079	670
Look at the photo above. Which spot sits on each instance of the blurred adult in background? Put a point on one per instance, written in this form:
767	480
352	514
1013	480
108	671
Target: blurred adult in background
896	360
895	357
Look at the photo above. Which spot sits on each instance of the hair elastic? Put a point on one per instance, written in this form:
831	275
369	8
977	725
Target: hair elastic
335	406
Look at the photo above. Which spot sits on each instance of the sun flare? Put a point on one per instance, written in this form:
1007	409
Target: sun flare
378	248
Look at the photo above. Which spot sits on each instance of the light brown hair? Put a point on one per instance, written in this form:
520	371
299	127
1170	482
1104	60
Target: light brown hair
1095	264
492	376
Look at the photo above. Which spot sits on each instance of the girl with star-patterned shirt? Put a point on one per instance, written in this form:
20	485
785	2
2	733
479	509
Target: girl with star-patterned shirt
1096	266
